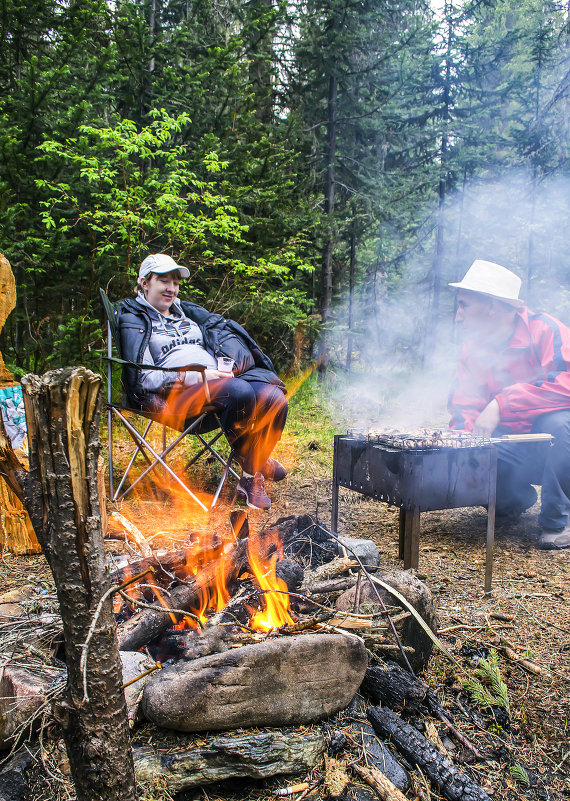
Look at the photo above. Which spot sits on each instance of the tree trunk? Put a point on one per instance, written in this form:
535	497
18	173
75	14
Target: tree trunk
326	261
352	267
61	495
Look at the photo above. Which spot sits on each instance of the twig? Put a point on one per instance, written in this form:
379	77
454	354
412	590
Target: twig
382	786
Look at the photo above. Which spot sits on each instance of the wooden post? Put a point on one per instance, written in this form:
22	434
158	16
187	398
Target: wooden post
61	495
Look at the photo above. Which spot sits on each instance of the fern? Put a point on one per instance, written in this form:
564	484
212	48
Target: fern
494	695
519	774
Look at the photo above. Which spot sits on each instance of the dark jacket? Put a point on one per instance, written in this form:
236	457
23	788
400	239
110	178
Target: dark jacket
222	337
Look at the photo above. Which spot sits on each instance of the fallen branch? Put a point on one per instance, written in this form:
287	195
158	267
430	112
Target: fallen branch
376	780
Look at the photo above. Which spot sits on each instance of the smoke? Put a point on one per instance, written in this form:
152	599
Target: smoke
402	367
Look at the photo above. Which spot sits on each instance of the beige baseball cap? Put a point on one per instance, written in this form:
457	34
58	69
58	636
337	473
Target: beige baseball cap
161	263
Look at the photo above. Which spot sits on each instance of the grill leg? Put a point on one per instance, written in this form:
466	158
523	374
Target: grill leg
491	524
411	538
334	504
401	533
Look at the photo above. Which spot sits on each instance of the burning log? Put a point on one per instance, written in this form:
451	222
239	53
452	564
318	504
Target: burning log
256	756
276	682
452	783
148	624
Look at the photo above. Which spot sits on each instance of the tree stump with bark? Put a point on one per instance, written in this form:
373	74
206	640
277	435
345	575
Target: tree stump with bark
60	492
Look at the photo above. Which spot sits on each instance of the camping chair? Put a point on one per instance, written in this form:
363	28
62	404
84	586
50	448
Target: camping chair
154	458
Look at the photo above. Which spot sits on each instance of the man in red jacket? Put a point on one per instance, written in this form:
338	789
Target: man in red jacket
514	377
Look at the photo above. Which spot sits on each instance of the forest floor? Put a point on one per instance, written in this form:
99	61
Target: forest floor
531	589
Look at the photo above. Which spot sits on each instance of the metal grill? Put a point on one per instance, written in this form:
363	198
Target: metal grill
409	471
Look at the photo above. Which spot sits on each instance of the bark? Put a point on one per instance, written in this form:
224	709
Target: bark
61	495
453	784
255	756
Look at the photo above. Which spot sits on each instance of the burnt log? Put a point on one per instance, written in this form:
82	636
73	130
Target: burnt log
276	682
377	754
13	780
391	685
255	756
451	782
61	494
148	624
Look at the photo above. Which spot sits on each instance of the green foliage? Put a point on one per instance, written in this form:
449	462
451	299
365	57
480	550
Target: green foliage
519	774
492	690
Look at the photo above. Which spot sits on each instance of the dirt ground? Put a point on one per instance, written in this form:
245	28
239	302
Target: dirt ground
531	589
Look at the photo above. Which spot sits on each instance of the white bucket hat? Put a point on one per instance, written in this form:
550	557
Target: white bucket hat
161	263
488	278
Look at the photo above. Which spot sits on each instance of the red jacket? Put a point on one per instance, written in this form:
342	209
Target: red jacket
528	376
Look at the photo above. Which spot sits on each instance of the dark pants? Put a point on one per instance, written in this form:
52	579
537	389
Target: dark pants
252	415
522	465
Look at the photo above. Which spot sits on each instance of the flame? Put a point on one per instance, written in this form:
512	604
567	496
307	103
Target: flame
209	558
275	597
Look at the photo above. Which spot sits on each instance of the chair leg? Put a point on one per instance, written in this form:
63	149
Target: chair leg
110	435
227	468
216	454
138	450
158	460
170	448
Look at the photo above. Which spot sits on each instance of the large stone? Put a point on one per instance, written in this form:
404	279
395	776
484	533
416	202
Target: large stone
277	682
410	631
134	663
365	550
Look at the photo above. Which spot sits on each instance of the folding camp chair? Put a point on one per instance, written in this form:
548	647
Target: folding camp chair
154	458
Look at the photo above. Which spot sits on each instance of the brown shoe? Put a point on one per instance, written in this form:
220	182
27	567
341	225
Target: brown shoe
253	487
273	470
554	540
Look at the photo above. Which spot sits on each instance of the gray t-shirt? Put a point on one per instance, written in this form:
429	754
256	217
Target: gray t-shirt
175	341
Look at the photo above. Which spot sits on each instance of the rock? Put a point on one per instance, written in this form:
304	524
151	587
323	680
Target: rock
276	682
13	781
410	631
381	757
22	693
256	756
291	572
365	550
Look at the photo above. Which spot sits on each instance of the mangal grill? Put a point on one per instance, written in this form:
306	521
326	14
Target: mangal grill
421	472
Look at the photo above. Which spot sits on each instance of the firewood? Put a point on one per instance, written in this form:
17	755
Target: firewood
323	589
391	685
336	567
452	783
376	780
252	755
117	523
147	624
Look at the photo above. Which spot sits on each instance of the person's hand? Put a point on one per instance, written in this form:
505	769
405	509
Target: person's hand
488	420
212	374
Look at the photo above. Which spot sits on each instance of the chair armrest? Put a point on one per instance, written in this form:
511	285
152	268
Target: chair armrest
188	368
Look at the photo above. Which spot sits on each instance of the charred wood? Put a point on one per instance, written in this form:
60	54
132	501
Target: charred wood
256	756
148	624
452	783
391	685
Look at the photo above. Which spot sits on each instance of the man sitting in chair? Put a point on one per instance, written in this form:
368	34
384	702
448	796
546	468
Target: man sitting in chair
249	399
514	377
